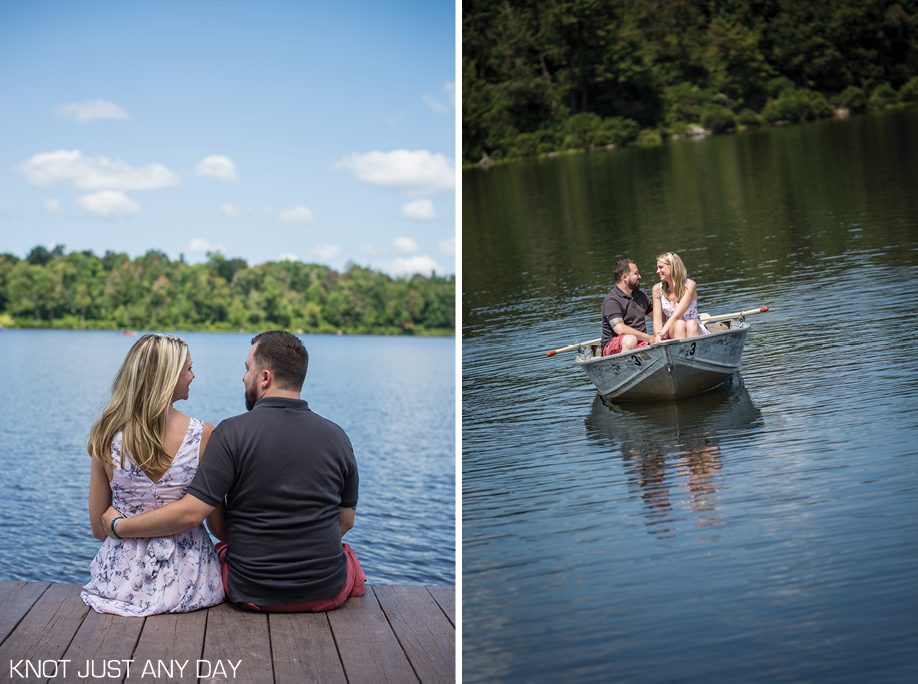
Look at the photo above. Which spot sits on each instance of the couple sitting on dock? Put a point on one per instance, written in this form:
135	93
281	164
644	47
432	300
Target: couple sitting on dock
674	306
277	486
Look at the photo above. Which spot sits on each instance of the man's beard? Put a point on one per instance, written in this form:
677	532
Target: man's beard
251	396
636	286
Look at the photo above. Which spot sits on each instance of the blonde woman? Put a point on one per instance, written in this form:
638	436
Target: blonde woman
144	455
675	301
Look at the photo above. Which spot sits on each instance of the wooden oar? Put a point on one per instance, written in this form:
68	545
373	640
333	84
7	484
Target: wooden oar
574	346
705	318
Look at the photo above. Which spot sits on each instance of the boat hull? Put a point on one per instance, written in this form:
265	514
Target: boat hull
667	370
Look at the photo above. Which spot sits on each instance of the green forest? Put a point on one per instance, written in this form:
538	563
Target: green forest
547	76
81	290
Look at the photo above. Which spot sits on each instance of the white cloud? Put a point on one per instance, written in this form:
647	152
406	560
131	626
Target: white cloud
435	105
411	265
288	256
414	173
229	211
420	210
298	214
450	88
217	166
201	246
448	247
93	173
405	245
326	252
108	203
53	207
91	110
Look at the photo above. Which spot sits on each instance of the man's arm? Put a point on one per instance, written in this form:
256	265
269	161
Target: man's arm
621	329
216	523
345	519
173	518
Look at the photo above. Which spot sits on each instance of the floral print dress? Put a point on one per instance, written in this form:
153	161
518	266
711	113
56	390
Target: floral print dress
176	574
690	315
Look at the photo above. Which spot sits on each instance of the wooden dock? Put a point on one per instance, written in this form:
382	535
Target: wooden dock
390	634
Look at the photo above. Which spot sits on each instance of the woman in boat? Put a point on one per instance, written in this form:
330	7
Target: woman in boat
675	301
144	455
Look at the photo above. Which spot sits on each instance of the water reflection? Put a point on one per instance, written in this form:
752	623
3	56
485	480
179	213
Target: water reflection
673	451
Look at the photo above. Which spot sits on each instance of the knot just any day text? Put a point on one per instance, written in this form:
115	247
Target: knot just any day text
116	669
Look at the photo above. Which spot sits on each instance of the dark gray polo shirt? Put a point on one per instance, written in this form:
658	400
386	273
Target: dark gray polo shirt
284	471
632	310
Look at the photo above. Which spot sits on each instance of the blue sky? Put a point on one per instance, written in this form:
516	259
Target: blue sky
317	131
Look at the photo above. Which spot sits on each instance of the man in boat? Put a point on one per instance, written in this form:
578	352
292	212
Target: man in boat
289	481
624	310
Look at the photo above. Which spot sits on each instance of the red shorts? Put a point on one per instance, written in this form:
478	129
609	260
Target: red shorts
615	346
355	585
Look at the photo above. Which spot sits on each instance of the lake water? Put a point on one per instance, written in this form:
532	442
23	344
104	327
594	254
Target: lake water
394	396
766	531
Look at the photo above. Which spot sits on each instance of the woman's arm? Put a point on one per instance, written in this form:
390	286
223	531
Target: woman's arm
208	428
100	497
657	310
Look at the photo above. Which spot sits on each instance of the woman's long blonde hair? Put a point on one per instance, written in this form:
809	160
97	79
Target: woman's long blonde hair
141	396
677	272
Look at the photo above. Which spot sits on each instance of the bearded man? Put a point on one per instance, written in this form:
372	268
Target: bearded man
624	310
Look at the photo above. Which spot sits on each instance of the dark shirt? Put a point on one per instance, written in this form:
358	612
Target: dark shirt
631	310
284	471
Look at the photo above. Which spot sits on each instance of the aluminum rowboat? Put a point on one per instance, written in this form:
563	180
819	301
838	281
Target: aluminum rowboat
668	370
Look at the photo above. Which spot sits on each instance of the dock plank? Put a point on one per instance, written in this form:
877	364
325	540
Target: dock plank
16	598
176	638
45	632
391	634
101	639
446	599
304	649
366	643
423	630
239	636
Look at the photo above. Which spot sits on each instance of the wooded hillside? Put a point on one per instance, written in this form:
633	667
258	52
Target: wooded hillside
81	290
542	76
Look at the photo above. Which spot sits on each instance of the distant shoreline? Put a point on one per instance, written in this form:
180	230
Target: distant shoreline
210	329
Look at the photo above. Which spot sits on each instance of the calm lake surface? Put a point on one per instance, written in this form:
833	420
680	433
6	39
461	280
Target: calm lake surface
766	531
394	396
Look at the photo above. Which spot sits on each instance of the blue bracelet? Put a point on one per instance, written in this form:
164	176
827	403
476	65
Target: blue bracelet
115	522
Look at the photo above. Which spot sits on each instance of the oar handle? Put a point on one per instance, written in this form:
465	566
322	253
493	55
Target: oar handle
707	318
573	347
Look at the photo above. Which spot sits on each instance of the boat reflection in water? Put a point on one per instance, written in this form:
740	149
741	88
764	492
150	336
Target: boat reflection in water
673	451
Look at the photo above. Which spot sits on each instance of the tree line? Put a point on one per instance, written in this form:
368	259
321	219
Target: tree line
542	76
81	290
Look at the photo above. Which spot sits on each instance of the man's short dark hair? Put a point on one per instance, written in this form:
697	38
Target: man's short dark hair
284	355
621	268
